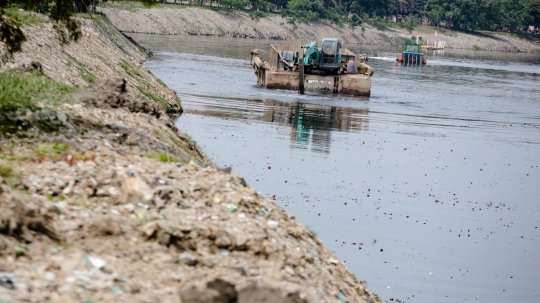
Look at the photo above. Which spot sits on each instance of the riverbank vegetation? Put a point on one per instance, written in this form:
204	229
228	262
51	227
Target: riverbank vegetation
21	89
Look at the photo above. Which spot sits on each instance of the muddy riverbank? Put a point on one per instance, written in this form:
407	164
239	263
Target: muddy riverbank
427	189
179	20
103	199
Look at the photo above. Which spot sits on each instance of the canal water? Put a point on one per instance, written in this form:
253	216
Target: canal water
429	190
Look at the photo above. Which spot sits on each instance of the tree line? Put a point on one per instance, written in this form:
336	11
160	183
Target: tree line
493	15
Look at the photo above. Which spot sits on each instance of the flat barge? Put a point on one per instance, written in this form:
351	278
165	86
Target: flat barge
330	68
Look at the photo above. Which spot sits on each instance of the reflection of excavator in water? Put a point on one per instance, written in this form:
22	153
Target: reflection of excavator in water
329	68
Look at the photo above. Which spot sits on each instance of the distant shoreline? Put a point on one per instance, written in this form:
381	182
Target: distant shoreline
182	20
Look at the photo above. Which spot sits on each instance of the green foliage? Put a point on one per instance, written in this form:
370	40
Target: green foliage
161	82
356	21
311	232
256	15
165	157
23	17
132	6
154	97
230	4
410	23
305	11
144	85
482	14
535	11
435	12
87	75
11	35
22	90
47	150
149	3
130	70
380	23
51	150
175	140
19	157
60	11
6	172
260	5
333	14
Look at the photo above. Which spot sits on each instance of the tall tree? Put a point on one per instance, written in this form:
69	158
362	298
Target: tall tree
517	14
535	12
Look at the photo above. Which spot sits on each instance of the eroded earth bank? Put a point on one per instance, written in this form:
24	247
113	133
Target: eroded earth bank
103	199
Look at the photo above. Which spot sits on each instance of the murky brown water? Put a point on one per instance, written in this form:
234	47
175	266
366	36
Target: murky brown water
429	190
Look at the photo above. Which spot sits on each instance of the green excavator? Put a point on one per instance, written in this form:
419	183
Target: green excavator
324	60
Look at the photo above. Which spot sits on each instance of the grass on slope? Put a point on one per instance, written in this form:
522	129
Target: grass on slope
24	17
23	90
144	86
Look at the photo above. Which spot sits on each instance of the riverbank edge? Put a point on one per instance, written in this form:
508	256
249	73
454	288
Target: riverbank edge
205	22
102	198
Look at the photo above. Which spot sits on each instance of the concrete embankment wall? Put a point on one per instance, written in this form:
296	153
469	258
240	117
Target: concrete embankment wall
103	199
197	21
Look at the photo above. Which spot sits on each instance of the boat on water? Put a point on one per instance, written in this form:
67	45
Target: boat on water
431	47
303	65
437	45
412	55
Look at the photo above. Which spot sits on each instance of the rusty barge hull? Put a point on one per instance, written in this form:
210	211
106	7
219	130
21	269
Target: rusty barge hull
353	85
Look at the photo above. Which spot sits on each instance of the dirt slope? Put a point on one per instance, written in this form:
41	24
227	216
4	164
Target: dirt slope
104	54
102	199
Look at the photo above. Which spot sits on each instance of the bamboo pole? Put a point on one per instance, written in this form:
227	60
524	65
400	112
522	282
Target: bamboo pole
301	72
